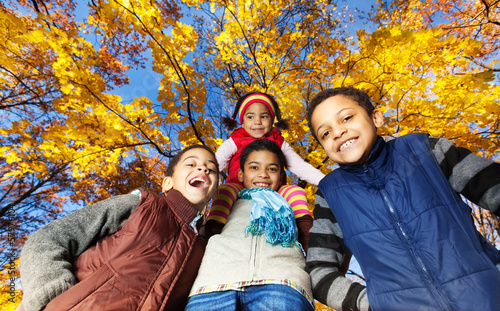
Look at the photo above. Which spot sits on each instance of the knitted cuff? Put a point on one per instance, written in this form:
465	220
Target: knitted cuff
304	224
38	299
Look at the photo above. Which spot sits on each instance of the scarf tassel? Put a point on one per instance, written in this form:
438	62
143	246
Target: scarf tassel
275	221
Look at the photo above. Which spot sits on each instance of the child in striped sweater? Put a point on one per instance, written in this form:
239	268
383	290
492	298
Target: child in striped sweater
255	263
257	112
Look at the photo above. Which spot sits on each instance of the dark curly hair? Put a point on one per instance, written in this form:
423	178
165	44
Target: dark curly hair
259	145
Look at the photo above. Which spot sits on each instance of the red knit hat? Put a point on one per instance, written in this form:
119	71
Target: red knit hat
256	98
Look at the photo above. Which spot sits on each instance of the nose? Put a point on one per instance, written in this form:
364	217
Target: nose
263	173
202	168
339	131
258	120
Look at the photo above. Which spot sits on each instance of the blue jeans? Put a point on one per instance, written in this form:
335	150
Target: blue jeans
271	297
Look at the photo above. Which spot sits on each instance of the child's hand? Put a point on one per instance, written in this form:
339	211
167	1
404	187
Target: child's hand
211	228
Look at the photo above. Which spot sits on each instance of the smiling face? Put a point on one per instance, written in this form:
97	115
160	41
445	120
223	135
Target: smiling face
261	170
345	130
195	176
257	120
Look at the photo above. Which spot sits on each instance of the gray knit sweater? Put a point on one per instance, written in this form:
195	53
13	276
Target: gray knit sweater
477	178
47	256
230	257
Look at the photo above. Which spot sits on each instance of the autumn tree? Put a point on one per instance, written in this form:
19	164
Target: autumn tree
464	19
67	137
462	22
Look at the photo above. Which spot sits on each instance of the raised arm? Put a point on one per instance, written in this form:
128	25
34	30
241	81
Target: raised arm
48	255
224	153
299	167
475	177
324	258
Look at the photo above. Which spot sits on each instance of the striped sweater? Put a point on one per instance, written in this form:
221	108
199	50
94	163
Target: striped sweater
476	178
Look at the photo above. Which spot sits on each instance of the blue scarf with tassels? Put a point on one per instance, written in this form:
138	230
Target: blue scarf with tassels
272	216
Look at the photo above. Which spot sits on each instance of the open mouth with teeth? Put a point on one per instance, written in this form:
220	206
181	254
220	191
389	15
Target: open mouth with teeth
347	144
199	182
262	185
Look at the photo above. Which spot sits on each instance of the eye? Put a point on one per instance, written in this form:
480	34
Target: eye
265	116
253	167
212	170
250	117
347	118
273	169
190	164
325	134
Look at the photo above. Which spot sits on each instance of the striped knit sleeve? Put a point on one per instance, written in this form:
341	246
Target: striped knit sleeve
475	177
324	257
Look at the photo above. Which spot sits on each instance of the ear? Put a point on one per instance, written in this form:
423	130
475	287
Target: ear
378	118
167	184
240	175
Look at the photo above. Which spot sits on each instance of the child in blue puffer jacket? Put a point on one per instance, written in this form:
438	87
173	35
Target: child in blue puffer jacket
396	206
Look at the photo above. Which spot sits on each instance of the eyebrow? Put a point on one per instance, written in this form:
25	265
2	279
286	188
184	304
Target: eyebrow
338	112
196	157
251	112
256	162
319	128
190	158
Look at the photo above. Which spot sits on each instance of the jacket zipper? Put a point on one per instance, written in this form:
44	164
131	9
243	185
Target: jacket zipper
412	249
253	263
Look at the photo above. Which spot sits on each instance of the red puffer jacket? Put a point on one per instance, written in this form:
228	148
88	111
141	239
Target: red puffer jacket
241	138
149	264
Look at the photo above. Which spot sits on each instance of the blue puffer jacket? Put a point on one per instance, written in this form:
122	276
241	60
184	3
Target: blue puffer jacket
412	235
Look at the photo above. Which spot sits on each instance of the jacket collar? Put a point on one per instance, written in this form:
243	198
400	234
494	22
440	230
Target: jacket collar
181	206
376	159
